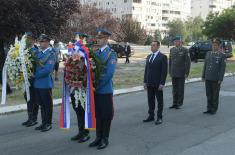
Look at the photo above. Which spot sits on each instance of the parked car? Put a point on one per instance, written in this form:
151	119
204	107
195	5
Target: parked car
200	48
191	43
120	50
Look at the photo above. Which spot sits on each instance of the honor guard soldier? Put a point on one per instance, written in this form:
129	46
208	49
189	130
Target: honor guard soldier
213	73
43	82
83	134
32	107
104	91
179	67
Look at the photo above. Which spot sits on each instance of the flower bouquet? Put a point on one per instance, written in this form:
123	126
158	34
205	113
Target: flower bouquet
75	75
14	63
18	67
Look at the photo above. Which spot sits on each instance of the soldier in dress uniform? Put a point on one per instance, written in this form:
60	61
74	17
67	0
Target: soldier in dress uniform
32	107
83	134
104	92
179	67
213	73
43	82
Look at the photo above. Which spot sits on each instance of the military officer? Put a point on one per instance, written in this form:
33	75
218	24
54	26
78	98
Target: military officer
104	91
179	67
213	73
43	82
32	107
83	134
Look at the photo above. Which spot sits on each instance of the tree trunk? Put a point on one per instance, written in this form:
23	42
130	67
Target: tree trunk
2	54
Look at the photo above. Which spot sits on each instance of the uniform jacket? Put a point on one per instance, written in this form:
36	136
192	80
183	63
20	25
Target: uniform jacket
214	66
179	62
156	71
44	69
109	58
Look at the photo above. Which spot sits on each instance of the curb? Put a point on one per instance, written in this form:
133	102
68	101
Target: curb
23	107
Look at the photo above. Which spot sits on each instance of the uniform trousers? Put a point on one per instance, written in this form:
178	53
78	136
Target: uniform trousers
178	90
43	97
80	112
212	93
32	106
104	114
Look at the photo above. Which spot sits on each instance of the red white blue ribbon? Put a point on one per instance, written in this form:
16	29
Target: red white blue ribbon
90	122
65	108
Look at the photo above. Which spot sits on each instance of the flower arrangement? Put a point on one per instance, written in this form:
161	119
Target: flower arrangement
19	61
75	71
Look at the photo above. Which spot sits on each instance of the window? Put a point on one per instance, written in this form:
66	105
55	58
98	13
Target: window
125	1
137	1
212	6
153	3
153	24
165	18
164	11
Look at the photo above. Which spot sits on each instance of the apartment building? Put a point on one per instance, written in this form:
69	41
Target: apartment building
152	14
203	7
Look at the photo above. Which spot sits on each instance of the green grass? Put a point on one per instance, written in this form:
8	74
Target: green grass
127	75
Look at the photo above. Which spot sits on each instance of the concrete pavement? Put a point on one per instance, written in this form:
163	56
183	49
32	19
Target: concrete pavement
186	131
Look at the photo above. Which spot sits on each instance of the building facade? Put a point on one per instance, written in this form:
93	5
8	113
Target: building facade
152	14
203	7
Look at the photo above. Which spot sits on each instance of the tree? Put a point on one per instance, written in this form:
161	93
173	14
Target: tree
221	25
176	27
38	16
130	30
88	20
194	29
157	35
149	40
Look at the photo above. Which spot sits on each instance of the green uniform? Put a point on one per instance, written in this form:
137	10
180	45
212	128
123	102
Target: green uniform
213	72
179	67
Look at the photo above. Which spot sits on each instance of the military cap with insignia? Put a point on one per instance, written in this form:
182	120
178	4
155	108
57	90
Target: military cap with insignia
216	40
30	34
44	37
103	31
177	38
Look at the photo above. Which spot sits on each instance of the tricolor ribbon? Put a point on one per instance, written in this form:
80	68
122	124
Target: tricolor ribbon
90	122
65	108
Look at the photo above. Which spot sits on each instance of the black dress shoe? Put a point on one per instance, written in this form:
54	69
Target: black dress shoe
95	143
76	137
46	127
172	107
159	121
207	112
84	139
212	113
31	123
177	107
39	127
25	123
103	144
149	119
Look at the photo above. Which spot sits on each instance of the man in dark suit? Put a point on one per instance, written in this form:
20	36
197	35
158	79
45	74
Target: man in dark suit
154	81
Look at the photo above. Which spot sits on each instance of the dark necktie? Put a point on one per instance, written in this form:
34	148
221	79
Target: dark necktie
152	58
